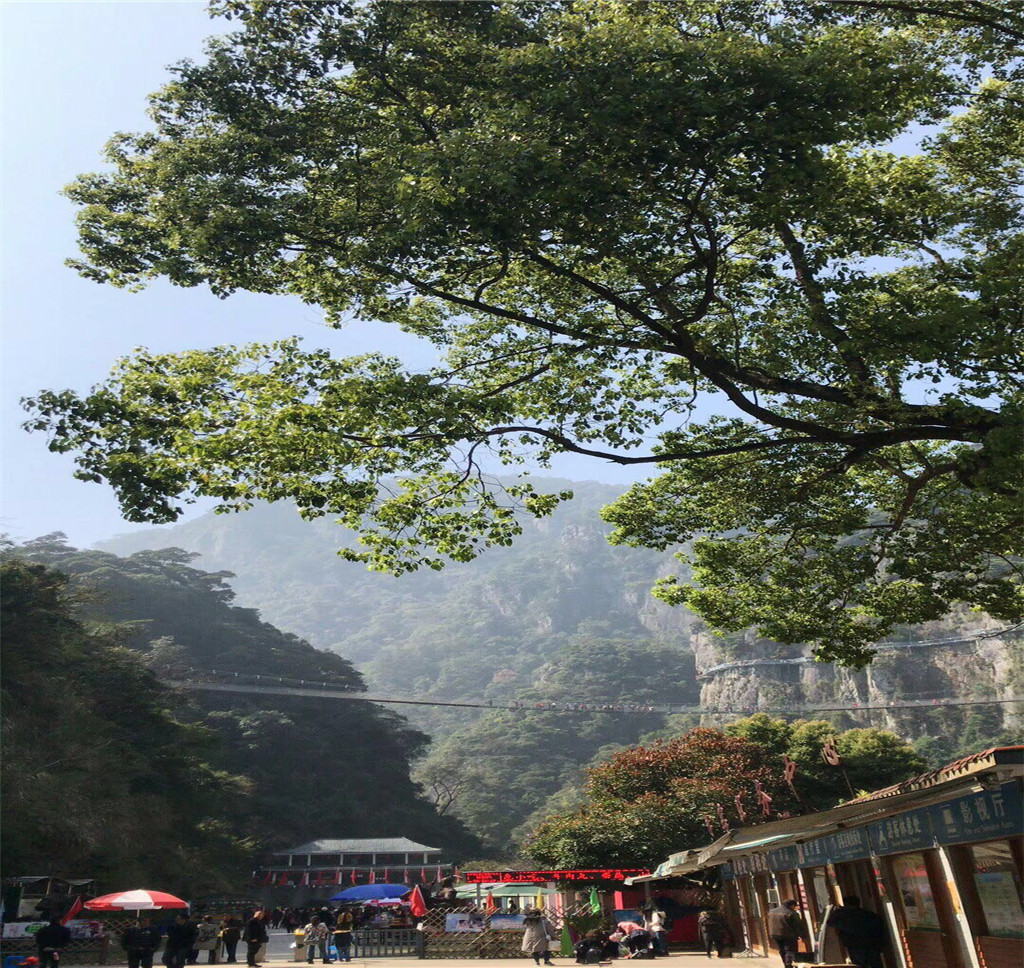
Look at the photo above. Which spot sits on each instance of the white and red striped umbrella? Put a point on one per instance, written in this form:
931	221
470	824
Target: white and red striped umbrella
135	901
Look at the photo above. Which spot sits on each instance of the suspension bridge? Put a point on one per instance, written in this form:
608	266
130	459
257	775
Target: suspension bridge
261	685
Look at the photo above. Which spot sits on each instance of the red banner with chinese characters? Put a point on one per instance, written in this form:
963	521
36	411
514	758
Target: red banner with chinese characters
542	877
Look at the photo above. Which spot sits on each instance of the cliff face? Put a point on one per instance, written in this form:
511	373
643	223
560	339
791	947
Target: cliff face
946	663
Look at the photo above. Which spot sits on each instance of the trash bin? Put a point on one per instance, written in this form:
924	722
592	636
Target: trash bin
299	948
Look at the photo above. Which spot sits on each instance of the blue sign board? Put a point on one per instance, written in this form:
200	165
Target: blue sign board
977	816
784	858
901	833
751	864
980	816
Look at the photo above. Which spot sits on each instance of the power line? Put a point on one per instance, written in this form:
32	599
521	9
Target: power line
278	686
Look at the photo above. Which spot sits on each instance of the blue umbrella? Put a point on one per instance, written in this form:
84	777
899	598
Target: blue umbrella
371	892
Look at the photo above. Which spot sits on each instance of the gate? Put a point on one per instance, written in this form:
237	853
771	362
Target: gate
384	942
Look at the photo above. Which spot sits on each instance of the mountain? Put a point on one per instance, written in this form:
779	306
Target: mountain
476	630
559	615
311	768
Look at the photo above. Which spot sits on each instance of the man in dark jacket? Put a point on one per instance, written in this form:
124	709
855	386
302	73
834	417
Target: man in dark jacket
255	937
139	941
50	941
786	928
181	938
862	933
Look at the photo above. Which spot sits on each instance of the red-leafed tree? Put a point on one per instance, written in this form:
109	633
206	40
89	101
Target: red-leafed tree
650	801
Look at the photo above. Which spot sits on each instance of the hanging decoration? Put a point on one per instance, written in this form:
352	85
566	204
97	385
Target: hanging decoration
722	819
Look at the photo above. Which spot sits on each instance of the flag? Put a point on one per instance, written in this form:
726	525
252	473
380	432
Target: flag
337	876
566	946
417	905
283	882
423	875
595	901
354	878
73	910
490	905
387	875
373	877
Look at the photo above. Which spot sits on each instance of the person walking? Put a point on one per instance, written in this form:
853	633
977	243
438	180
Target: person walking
786	928
536	936
343	935
713	931
181	937
862	933
140	941
315	936
255	937
51	940
230	932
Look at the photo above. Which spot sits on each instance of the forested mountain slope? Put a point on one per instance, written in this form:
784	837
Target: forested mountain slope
476	630
563	615
313	768
102	776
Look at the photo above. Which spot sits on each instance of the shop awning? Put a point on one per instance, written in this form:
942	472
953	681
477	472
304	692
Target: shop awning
795	830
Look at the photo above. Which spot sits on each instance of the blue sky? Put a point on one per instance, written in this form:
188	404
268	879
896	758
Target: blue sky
72	74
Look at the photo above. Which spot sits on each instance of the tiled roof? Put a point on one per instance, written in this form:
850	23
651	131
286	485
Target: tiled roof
382	845
994	757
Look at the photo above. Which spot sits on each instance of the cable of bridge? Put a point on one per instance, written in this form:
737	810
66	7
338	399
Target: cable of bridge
277	685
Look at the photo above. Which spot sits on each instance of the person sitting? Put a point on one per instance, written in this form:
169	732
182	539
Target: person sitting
591	949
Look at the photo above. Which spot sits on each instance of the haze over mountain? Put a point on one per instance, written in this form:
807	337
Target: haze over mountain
562	615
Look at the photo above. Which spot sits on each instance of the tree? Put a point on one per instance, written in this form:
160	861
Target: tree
98	780
651	801
610	218
872	758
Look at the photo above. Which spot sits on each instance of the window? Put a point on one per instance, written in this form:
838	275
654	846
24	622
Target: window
998	889
915	889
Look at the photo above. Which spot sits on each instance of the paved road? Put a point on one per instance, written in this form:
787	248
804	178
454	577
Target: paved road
280	952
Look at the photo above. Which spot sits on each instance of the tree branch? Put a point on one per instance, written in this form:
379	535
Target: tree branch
820	314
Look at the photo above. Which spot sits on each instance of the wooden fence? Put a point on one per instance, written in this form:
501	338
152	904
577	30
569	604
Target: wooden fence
568	924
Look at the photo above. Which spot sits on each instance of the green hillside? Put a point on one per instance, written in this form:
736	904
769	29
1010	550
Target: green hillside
562	615
311	768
